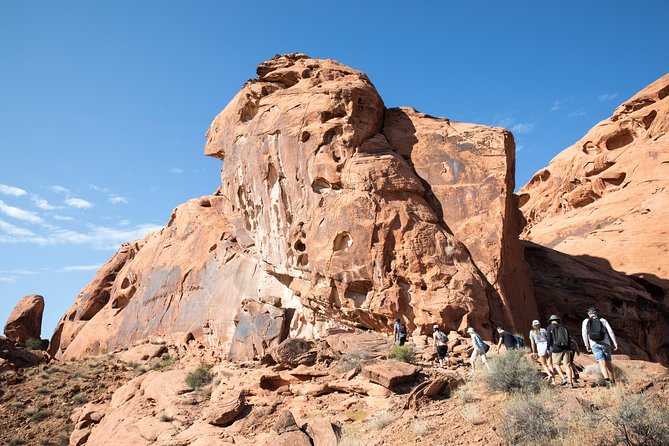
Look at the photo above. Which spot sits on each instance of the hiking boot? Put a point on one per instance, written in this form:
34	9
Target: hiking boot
571	386
563	382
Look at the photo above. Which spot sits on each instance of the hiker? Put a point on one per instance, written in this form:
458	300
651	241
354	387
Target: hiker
480	349
539	344
439	340
597	337
558	343
508	338
396	330
402	334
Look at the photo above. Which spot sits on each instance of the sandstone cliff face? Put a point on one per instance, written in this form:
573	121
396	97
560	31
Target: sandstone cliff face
341	218
606	198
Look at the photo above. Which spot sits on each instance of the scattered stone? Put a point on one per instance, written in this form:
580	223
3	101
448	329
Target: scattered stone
25	321
285	423
391	373
226	409
293	352
322	432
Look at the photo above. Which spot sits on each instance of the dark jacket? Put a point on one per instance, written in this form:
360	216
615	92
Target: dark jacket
551	339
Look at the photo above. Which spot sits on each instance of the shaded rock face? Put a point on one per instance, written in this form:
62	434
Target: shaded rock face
606	197
258	328
330	212
567	285
25	321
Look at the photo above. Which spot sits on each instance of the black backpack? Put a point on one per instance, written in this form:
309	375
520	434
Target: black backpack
561	337
402	330
442	337
596	330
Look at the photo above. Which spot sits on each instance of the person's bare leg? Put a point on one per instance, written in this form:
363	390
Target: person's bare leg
610	370
544	365
604	369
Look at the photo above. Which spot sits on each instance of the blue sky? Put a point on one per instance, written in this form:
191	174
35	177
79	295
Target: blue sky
104	105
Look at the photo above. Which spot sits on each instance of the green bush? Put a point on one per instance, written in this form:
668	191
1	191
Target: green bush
200	377
355	359
40	415
403	353
79	398
33	344
513	372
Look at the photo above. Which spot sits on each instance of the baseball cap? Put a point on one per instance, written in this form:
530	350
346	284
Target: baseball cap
592	310
435	326
470	330
535	322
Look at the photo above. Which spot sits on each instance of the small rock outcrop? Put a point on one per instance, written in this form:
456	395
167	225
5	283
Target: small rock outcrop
25	321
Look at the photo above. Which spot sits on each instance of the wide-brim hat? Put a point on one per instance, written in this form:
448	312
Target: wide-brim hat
592	310
554	317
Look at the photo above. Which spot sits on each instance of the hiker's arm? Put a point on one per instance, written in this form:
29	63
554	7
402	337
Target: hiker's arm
584	335
611	335
533	345
499	344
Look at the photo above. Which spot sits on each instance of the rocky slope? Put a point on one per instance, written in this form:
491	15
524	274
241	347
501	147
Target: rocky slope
604	200
333	210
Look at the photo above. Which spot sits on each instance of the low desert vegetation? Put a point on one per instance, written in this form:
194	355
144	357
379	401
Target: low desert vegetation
33	344
382	419
355	359
40	415
513	372
404	354
200	377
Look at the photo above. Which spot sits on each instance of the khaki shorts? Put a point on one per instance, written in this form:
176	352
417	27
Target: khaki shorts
562	358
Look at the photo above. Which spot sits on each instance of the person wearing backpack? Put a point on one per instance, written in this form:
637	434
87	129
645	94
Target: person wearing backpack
396	330
598	337
539	343
439	340
402	333
507	338
559	345
480	349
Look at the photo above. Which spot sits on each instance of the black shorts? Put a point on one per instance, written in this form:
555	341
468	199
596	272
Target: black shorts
442	351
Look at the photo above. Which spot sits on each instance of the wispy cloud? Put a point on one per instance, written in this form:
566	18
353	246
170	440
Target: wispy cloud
20	214
117	199
62	218
607	97
560	103
522	128
78	203
177	170
97	188
576	114
42	203
67	269
11	191
8	279
124	222
15	231
59	189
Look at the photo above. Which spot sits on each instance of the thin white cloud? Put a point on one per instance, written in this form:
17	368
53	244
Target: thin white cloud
62	218
503	120
78	203
42	203
21	272
176	170
560	103
97	188
15	231
8	279
576	114
607	97
117	199
11	191
522	128
124	222
67	269
20	214
60	189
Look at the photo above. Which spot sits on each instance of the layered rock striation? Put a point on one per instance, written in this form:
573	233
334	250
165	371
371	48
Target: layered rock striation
335	209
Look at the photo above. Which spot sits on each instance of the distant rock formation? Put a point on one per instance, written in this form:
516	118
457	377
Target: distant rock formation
347	213
25	321
605	198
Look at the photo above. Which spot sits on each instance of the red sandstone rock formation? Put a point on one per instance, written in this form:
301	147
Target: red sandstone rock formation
605	198
25	322
325	209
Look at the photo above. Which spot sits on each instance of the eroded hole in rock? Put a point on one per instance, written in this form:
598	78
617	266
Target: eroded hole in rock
663	93
249	110
272	176
648	119
305	136
619	140
337	112
357	291
342	241
523	199
321	185
331	134
616	179
303	260
589	148
539	177
205	203
423	287
306	73
300	246
125	284
655	291
213	248
597	167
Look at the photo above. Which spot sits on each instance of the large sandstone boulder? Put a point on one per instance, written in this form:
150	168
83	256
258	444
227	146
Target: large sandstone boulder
259	327
328	210
605	198
25	321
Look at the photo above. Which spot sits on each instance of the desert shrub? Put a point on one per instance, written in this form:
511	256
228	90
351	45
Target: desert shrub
513	372
473	415
382	419
635	420
200	377
15	441
403	353
356	414
354	359
164	417
33	344
79	398
40	415
420	427
526	420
